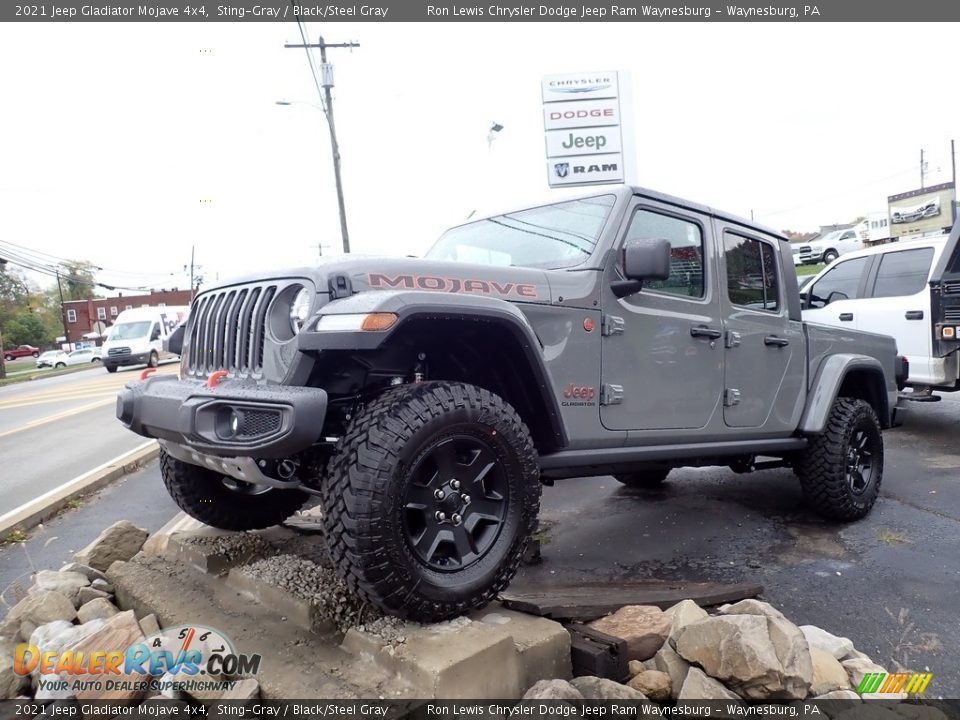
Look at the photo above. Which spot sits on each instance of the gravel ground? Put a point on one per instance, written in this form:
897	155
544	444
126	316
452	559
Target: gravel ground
318	585
230	546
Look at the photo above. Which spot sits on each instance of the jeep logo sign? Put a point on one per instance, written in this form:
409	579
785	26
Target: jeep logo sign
584	129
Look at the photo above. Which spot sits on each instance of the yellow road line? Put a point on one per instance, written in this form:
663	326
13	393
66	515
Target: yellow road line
47	401
57	416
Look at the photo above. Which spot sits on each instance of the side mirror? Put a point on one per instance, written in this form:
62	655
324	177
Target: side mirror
642	260
174	342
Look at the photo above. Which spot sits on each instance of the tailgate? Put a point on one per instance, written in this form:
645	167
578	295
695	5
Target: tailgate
945	297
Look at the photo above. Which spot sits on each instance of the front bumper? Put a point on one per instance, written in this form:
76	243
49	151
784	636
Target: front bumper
128	359
232	419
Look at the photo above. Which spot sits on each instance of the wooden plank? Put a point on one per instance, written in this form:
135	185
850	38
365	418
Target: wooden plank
588	602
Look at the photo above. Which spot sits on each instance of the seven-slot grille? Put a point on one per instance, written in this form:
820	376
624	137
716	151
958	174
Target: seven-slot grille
227	330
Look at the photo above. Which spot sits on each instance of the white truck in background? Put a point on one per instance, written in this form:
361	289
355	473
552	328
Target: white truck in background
136	338
909	290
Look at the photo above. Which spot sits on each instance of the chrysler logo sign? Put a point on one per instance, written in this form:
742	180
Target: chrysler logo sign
579	85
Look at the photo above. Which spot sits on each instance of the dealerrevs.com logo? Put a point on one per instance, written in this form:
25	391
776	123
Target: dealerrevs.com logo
200	656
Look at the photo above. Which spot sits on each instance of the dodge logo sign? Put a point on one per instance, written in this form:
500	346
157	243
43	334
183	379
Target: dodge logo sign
561	169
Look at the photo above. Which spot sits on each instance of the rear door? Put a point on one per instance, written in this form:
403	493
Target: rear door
899	305
764	348
837	296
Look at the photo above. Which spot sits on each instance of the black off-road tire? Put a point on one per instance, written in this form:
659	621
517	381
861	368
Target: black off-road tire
372	475
200	493
644	479
823	470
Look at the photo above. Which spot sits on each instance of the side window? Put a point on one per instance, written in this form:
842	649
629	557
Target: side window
903	273
751	273
842	282
686	251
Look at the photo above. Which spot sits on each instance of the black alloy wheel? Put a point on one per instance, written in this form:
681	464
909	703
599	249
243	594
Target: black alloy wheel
456	502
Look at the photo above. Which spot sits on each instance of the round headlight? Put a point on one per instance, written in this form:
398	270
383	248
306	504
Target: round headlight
300	310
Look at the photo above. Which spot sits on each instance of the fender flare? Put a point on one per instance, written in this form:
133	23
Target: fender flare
826	387
410	305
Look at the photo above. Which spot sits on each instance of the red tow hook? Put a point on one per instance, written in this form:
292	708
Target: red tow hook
215	378
145	373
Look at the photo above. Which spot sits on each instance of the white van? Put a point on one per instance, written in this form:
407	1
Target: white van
136	338
910	290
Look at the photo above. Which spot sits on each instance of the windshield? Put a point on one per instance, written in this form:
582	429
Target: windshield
551	237
129	331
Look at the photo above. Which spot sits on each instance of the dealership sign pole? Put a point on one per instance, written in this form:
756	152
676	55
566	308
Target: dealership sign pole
588	129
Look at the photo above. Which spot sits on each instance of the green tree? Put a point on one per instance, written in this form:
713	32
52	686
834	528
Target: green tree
78	280
25	328
13	292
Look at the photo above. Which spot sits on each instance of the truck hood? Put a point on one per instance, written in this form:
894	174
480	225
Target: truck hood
341	276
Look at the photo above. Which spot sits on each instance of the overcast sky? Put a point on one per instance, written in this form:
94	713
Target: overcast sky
112	135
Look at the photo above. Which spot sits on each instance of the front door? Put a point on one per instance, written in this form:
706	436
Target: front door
765	355
838	296
662	351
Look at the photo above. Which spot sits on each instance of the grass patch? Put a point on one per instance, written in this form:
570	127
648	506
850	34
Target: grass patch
890	537
808	269
16	536
38	374
73	503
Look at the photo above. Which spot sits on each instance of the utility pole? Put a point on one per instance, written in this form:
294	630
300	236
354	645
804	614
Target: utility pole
195	277
922	171
3	363
63	311
326	71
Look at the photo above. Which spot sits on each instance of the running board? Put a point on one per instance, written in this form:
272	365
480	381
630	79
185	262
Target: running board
575	463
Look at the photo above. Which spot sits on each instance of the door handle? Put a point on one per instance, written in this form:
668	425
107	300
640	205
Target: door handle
775	341
914	315
846	317
705	332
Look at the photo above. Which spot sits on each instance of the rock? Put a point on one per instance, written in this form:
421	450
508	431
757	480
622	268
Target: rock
855	655
102	586
65	583
682	614
920	712
149	625
654	684
667	660
644	627
116	633
858	667
120	541
26	629
595	688
635	667
90	573
869	711
757	656
838	695
87	594
752	607
794	654
56	637
697	686
97	609
816	637
552	690
41	607
11	684
828	673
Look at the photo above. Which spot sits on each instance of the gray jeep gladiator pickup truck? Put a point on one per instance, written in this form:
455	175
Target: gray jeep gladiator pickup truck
425	400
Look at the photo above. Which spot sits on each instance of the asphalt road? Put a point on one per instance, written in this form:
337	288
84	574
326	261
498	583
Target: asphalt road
890	582
56	428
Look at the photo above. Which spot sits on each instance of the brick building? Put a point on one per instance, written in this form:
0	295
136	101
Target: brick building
81	316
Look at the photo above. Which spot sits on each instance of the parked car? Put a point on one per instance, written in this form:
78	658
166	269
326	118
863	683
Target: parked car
910	290
21	351
79	357
50	358
829	247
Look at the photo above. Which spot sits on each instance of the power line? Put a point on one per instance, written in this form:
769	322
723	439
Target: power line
38	256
